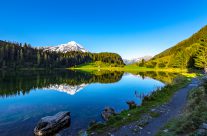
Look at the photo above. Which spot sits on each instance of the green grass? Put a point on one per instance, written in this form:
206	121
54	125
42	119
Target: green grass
128	68
157	98
193	116
98	65
134	67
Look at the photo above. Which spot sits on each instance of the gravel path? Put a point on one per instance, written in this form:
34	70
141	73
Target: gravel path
170	110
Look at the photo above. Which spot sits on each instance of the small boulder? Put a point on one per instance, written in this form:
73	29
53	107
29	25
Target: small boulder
93	122
131	104
204	126
165	130
107	112
52	124
153	110
201	132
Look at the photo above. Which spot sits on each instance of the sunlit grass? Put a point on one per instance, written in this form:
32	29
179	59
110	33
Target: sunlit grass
128	68
191	75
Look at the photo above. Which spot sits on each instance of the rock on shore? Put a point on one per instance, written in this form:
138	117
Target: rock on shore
107	112
52	124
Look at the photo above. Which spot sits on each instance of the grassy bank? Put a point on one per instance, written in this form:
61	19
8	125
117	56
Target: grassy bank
98	65
157	98
134	67
128	68
192	117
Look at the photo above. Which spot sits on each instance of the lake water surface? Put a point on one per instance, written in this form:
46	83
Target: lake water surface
27	96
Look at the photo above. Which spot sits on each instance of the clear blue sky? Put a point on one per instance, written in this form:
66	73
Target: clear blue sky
131	28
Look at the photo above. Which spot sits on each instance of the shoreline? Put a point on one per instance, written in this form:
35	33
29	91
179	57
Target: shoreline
134	115
125	69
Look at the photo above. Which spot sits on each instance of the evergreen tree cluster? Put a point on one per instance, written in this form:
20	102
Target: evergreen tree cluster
17	55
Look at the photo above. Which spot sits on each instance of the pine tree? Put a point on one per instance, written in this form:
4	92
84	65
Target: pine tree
1	54
21	56
38	58
201	58
142	63
181	60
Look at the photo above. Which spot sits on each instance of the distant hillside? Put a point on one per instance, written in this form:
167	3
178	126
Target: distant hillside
136	60
183	54
16	55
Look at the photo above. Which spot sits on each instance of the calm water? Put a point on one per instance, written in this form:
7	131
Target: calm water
26	96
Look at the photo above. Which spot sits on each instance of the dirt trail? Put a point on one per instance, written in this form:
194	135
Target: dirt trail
172	109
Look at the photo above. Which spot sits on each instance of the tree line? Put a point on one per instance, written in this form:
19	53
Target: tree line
17	55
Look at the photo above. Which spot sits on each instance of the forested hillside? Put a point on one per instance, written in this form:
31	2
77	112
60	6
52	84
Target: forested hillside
190	53
16	55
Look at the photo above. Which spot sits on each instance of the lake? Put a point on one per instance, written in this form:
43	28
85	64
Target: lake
27	96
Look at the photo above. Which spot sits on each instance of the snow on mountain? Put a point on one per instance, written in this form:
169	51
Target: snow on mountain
135	60
70	46
69	89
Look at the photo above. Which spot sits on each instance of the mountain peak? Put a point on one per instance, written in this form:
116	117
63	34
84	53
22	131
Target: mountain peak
70	46
72	42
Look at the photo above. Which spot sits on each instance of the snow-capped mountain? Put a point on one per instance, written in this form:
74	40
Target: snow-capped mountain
135	60
69	89
70	46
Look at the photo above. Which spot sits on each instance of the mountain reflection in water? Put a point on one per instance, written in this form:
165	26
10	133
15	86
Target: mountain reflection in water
27	96
16	82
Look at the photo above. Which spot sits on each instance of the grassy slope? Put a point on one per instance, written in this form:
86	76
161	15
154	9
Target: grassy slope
157	98
168	56
201	34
